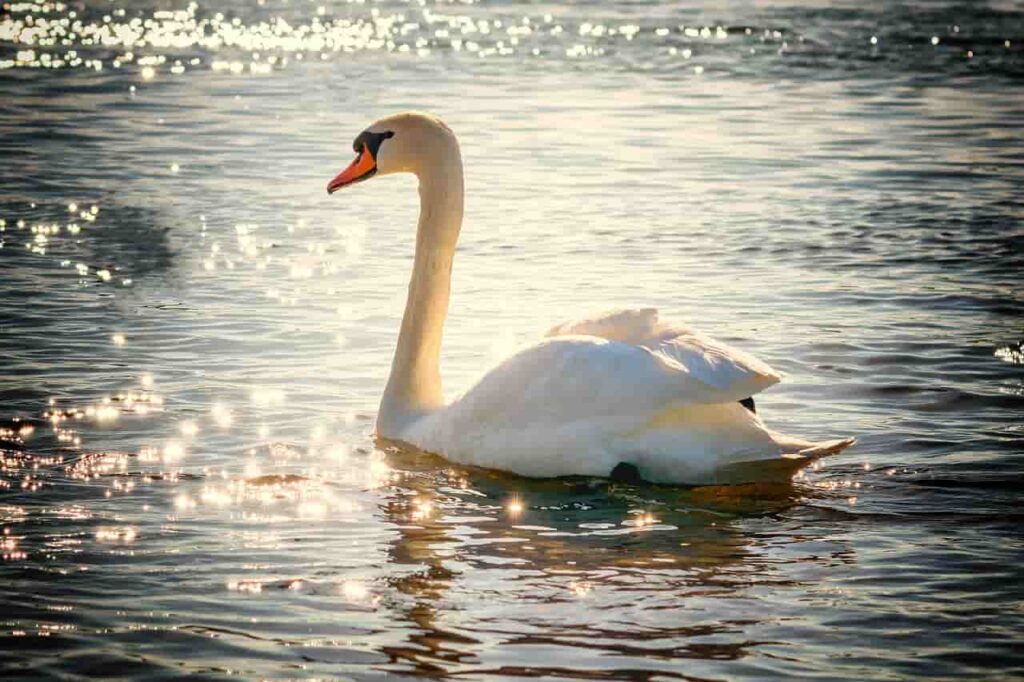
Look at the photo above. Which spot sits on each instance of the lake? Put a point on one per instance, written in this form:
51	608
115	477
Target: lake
194	337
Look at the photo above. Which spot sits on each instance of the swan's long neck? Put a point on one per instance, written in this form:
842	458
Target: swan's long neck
414	387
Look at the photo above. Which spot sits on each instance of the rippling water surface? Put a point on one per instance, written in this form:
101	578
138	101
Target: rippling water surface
193	337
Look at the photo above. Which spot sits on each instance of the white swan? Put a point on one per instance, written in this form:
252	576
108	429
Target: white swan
612	391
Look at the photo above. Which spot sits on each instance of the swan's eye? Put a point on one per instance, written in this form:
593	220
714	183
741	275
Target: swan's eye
370	142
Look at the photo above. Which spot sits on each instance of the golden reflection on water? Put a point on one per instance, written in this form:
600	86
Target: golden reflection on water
283	507
170	43
535	545
112	535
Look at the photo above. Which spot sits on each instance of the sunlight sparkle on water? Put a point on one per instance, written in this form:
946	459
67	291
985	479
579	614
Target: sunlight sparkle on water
581	588
313	509
514	507
356	591
222	415
168	38
216	497
183	502
125	535
1013	354
378	473
249	586
267	397
640	519
338	452
422	509
174	451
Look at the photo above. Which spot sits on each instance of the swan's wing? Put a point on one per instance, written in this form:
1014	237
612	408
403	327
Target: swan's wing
569	393
730	374
574	377
629	326
580	405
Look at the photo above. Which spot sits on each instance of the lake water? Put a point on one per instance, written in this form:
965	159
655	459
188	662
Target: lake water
194	337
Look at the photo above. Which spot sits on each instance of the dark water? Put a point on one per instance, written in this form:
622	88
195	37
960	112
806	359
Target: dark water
189	371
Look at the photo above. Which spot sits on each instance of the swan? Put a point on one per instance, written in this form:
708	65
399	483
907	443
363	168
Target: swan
619	393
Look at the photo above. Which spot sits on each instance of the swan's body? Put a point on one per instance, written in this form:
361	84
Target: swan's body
619	388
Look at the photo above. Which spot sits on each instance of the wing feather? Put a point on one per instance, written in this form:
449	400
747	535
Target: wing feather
629	326
729	373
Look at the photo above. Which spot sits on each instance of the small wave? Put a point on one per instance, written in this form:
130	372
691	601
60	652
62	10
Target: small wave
1012	353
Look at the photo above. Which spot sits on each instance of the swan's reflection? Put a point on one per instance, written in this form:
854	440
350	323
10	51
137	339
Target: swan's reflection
600	568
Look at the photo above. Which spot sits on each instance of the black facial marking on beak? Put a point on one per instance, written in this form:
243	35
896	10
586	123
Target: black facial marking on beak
371	141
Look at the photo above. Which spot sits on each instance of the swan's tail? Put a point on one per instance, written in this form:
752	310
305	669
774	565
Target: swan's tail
825	448
782	468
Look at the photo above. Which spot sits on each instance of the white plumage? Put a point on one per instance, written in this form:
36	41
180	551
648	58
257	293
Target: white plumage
618	388
621	387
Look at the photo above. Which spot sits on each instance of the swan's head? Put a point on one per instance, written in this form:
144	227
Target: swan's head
402	143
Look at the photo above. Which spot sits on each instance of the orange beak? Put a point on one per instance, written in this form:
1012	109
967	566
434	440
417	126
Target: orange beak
363	168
